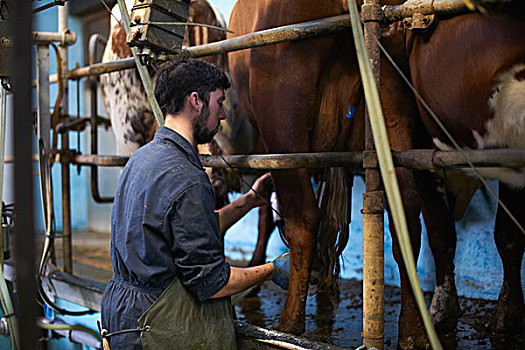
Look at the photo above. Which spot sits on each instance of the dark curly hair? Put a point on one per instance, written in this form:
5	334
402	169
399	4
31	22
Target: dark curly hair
179	78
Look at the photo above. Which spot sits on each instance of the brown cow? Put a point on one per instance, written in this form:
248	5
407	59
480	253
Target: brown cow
471	71
306	96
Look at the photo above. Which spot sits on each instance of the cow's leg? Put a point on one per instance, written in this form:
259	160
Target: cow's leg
400	118
441	232
301	216
411	333
265	227
284	91
510	311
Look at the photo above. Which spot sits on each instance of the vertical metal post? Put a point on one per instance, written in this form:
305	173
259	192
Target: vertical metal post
26	308
93	41
373	209
44	124
42	91
63	12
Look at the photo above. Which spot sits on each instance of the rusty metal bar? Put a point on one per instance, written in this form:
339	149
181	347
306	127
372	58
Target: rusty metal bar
44	142
63	12
419	159
286	161
373	207
257	39
428	7
64	38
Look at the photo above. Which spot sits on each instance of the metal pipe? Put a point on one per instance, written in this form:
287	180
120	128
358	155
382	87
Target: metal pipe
373	209
49	5
93	40
276	339
419	159
44	124
431	159
428	7
74	333
285	161
94	147
290	32
63	12
24	253
257	39
45	38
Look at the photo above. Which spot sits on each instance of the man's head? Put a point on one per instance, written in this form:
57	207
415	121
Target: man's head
199	84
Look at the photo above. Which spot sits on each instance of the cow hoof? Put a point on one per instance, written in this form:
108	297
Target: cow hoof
444	312
295	328
413	343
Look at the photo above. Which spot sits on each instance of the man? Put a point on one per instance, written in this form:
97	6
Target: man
171	284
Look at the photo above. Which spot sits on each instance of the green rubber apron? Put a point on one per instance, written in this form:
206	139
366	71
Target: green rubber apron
176	321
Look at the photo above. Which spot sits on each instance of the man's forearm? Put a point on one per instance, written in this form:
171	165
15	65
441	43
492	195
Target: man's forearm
234	211
243	278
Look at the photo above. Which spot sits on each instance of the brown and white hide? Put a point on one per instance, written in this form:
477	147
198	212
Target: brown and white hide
125	100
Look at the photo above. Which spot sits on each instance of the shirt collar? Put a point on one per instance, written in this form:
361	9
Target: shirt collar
167	134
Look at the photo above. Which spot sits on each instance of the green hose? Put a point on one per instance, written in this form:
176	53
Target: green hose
388	173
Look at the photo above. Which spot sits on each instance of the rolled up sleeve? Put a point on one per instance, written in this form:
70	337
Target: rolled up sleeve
197	249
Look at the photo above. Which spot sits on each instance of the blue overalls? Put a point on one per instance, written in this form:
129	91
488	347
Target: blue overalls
166	252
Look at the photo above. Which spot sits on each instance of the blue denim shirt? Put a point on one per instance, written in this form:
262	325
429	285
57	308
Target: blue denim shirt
163	226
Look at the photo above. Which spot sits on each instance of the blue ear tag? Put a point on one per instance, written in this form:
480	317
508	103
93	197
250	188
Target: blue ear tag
351	112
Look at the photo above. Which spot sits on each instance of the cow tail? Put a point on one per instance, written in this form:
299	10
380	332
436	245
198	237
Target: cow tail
334	198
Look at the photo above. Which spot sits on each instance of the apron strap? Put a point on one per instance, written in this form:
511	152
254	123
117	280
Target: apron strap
105	334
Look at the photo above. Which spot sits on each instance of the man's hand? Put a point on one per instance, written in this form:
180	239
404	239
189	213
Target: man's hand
232	212
281	271
262	187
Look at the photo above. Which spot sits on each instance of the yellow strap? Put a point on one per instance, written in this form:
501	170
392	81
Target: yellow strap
105	342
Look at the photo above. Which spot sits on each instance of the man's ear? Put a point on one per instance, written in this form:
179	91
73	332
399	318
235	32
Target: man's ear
195	101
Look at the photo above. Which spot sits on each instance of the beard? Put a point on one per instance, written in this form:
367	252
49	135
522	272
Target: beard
201	132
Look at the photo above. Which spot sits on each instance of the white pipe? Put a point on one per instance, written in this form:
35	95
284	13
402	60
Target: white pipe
76	332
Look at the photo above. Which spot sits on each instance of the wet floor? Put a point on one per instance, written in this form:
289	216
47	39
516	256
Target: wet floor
343	327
